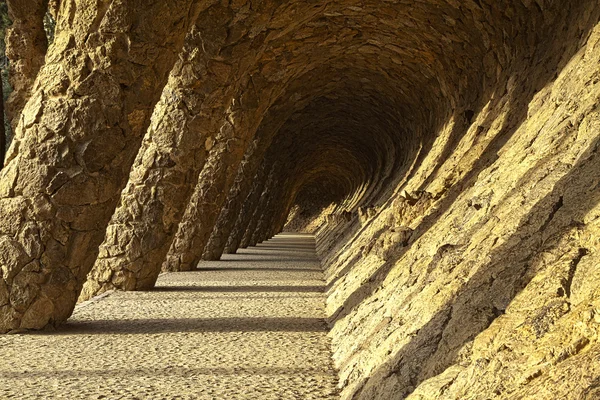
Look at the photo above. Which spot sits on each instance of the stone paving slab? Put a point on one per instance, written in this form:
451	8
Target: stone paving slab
248	327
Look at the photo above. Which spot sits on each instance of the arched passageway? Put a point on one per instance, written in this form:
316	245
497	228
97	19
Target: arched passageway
442	152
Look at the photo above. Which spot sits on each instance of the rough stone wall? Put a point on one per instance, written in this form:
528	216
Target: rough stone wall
164	173
312	206
478	279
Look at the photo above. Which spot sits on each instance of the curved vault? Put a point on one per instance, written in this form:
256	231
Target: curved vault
276	71
403	119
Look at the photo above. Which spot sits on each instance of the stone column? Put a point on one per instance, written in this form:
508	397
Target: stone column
282	209
279	216
223	226
268	212
251	228
74	146
239	127
258	207
239	192
206	202
281	219
264	210
165	171
26	46
246	212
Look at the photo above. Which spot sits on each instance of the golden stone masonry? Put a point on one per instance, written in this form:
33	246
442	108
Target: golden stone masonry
443	154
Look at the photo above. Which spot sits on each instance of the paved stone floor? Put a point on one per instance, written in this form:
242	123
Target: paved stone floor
248	327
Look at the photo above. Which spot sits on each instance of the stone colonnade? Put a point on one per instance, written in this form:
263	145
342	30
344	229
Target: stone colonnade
149	137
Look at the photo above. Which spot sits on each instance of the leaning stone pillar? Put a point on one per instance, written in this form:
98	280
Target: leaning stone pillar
261	207
249	205
164	174
265	220
223	226
74	146
216	179
26	46
280	220
206	202
232	208
251	228
279	210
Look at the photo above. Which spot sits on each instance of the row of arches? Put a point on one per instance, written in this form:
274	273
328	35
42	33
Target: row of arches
154	130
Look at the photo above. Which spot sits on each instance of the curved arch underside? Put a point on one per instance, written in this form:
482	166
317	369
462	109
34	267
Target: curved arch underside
442	151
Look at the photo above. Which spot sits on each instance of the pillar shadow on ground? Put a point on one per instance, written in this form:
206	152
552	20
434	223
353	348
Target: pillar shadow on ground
181	325
246	288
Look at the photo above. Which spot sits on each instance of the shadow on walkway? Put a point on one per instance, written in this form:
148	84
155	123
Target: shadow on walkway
248	288
182	325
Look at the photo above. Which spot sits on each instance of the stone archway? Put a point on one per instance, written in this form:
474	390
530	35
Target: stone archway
445	153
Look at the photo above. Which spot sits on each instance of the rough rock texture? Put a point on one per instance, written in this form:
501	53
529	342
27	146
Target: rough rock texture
208	198
74	144
247	211
164	174
260	207
240	190
444	152
26	46
479	280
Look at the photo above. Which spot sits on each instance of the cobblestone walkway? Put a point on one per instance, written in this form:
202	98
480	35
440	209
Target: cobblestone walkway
248	327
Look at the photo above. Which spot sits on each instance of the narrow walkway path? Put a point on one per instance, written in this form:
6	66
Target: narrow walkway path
249	327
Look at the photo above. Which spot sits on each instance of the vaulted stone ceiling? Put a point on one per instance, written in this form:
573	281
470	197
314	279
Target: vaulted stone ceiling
157	134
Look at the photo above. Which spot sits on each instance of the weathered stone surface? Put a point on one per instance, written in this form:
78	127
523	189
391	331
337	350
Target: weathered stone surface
165	171
444	152
26	46
258	207
207	200
467	283
247	211
74	144
239	191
